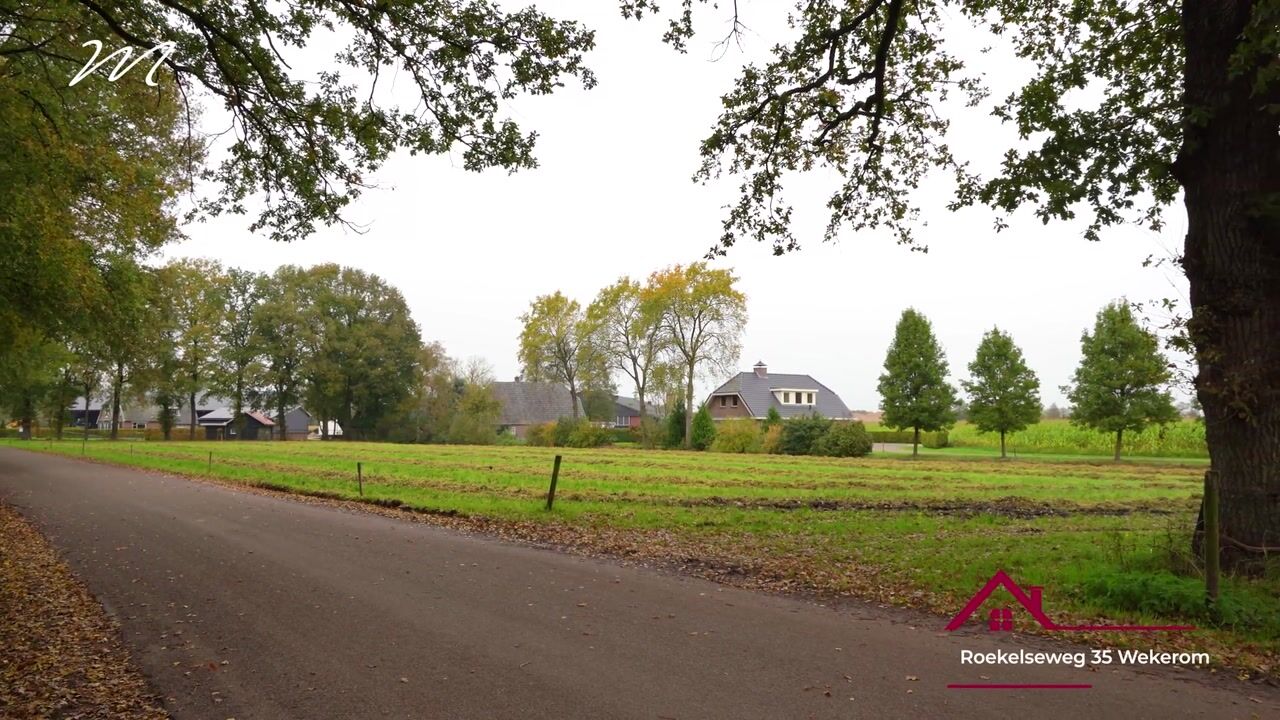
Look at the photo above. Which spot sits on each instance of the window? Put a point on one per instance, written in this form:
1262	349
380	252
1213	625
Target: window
810	398
786	398
724	401
735	401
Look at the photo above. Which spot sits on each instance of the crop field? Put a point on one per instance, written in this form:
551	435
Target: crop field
1107	540
1183	439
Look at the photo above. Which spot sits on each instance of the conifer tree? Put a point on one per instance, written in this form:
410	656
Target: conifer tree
703	432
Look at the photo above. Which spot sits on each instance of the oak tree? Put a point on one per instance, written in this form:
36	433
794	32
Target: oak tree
237	367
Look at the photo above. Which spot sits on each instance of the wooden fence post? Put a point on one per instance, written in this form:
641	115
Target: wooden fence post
360	477
555	475
210	468
1212	536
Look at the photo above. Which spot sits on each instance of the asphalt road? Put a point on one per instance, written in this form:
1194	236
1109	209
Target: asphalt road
240	605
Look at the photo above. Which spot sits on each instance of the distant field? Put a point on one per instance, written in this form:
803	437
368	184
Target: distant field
1183	439
1104	538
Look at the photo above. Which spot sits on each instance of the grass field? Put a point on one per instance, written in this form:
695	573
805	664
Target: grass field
1108	541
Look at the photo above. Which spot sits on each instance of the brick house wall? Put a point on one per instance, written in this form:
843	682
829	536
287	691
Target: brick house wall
728	410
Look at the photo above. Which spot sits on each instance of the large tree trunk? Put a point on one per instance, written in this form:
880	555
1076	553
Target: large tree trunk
239	421
166	417
191	399
1229	168
60	419
1119	444
1002	453
87	390
281	423
117	385
28	412
688	411
915	443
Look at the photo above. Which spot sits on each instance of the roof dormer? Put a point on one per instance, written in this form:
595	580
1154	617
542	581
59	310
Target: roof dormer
796	396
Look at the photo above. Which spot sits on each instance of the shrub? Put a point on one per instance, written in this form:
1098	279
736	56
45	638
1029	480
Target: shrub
844	439
703	432
564	427
506	437
739	435
773	418
771	442
588	435
543	435
651	433
623	435
801	434
675	426
1163	594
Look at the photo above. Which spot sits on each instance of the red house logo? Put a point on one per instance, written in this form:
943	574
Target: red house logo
1032	600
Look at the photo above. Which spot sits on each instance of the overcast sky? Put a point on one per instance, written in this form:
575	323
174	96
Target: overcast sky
613	197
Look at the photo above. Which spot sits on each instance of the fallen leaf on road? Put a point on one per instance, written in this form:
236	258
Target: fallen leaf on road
64	660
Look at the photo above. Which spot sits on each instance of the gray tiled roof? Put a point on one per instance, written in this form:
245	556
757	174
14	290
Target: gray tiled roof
530	403
757	393
633	406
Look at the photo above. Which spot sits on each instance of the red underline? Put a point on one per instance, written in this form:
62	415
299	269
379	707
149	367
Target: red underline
1003	686
1124	628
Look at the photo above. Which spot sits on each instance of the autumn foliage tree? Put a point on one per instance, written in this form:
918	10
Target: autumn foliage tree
626	321
703	316
558	344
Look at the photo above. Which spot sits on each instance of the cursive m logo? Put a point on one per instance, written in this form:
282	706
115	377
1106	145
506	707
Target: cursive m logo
1031	599
163	51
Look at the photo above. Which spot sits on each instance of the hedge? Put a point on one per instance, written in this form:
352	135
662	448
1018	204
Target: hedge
927	439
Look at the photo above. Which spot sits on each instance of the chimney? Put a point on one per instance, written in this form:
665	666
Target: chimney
761	369
1037	599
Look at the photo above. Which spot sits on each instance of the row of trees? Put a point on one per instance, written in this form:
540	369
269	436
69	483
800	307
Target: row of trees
1119	386
336	340
683	322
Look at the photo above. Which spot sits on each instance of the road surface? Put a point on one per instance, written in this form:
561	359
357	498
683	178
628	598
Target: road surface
243	605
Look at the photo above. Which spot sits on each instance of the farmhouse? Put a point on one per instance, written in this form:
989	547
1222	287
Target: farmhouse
752	394
626	412
220	425
297	425
525	404
136	415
